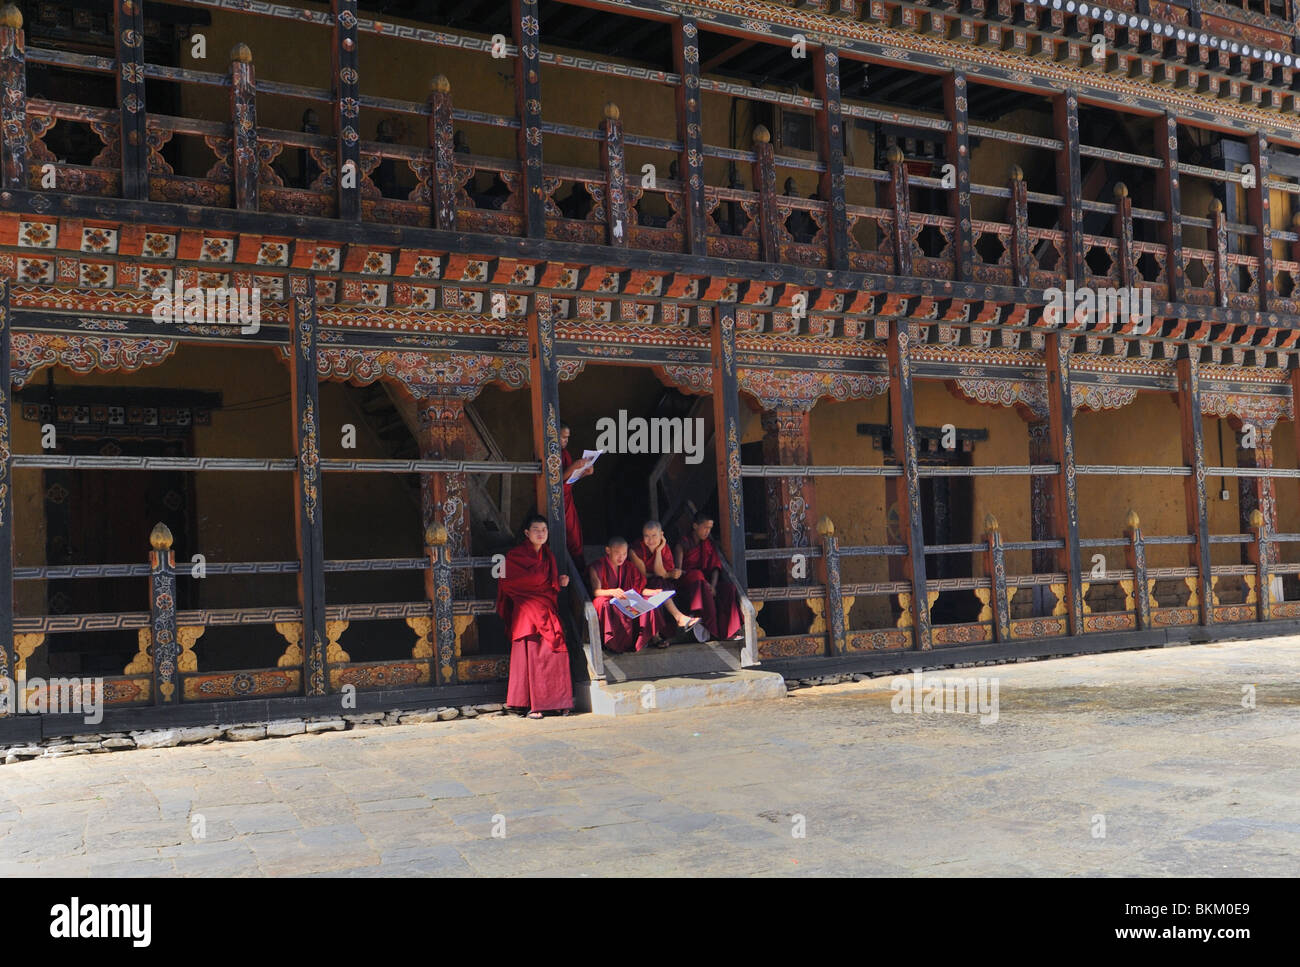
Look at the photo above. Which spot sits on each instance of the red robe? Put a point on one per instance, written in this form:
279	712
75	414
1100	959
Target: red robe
720	611
619	632
572	526
539	661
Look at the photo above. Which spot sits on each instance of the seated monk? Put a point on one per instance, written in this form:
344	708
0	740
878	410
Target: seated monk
526	601
612	577
702	582
654	560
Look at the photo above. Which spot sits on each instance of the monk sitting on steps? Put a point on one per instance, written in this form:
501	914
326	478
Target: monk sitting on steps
701	585
654	560
612	577
526	601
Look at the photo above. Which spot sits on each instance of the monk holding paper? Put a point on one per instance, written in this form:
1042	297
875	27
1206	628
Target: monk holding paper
526	601
654	560
612	578
702	586
572	526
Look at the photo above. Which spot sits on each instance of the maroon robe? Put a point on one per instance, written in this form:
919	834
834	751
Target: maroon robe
572	526
619	632
539	661
720	611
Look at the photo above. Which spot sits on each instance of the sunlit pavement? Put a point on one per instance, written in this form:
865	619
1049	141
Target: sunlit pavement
1140	763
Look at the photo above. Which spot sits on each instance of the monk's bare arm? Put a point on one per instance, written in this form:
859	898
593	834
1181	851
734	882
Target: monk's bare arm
602	592
640	564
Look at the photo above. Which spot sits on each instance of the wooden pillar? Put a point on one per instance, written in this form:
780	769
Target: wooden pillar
726	423
1060	417
1136	560
243	115
1069	182
1198	521
1022	255
13	106
347	118
7	667
442	178
957	151
901	207
1260	554
829	566
790	500
764	172
690	131
995	563
162	615
1170	199
1256	493
1257	202
309	513
128	23
903	437
544	384
617	224
525	20
1219	245
437	587
1123	227
830	131
444	497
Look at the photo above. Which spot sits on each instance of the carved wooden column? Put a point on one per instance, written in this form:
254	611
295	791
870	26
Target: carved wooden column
726	429
1123	226
438	581
1198	521
996	565
243	115
787	441
903	440
1257	204
1069	181
13	106
1136	560
347	109
690	131
6	493
1219	245
1256	493
544	385
1043	521
444	497
1171	201
901	207
957	149
526	24
128	22
1060	408
830	130
162	615
442	177
1018	218
617	224
829	571
764	172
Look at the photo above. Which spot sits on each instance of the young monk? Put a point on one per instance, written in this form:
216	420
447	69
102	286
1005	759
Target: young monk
611	578
526	601
702	581
572	526
654	559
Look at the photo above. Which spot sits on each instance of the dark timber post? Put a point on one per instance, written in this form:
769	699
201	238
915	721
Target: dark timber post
309	514
437	587
1171	200
347	118
830	575
901	207
6	494
957	153
442	177
1259	556
13	106
1123	224
528	105
764	171
1136	555
1257	200
995	563
830	130
726	422
1018	219
1069	182
162	614
544	383
1219	240
690	131
1198	522
612	161
903	440
1060	417
243	116
128	19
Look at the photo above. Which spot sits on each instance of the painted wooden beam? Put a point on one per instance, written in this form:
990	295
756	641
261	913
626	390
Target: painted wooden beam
1169	197
1060	417
1257	205
162	616
442	179
613	162
900	206
726	430
1022	256
690	131
769	216
244	161
13	106
6	491
526	23
128	22
544	385
1069	181
830	131
347	111
1198	520
903	436
957	152
1136	559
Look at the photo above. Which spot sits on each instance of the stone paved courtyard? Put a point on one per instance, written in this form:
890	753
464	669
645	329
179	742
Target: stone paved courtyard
1157	742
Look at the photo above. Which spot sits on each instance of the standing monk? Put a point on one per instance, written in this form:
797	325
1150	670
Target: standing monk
654	560
572	526
526	601
612	577
702	581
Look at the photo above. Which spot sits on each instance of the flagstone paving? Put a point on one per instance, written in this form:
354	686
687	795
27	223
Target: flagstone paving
1154	749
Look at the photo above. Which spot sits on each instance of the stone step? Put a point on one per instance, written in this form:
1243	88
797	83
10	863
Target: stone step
684	659
640	696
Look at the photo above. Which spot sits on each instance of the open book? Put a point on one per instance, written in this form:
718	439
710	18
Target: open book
634	605
579	467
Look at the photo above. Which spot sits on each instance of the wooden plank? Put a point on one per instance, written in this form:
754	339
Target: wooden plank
309	512
526	21
544	385
829	565
347	109
1069	182
903	435
1060	417
1198	521
1169	196
1136	554
162	616
764	175
13	106
690	131
996	563
128	21
613	161
726	423
6	492
830	131
442	179
243	115
1257	204
957	151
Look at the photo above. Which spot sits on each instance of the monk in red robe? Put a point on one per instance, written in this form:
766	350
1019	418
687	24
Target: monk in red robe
526	600
611	578
572	526
702	582
653	558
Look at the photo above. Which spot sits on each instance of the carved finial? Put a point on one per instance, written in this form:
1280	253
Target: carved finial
611	110
160	538
1017	173
1256	518
11	16
826	526
761	134
241	53
894	155
435	535
1216	206
990	523
440	84
1121	190
1131	521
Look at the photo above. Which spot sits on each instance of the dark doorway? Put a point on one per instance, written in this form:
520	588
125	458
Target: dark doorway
947	511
